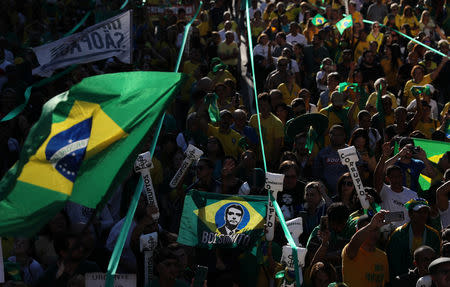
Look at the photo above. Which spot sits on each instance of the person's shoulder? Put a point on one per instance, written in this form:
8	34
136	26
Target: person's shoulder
433	231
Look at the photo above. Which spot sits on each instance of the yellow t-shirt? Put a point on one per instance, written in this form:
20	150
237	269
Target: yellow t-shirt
372	100
411	21
288	96
445	110
229	141
272	129
220	77
407	90
233	26
368	269
378	39
226	49
204	28
398	21
357	18
390	74
189	67
427	128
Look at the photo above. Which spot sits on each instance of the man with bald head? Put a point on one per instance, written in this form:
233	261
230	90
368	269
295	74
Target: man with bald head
241	126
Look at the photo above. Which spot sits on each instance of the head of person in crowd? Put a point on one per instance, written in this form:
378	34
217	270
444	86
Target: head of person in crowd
440	271
400	115
408	144
394	177
417	73
423	256
347	56
317	41
418	211
364	119
240	119
204	168
57	226
332	81
346	190
374	235
294	28
282	111
322	274
443	46
264	104
229	37
305	94
286	53
386	101
276	98
313	197
167	265
214	148
300	145
360	140
248	159
298	107
337	136
225	122
380	82
337	100
368	57
338	215
291	172
70	248
288	156
282	64
263	39
280	38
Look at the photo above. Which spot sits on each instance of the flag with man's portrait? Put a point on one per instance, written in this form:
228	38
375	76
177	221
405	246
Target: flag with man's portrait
212	219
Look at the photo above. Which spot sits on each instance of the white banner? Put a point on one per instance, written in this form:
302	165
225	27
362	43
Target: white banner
120	280
106	39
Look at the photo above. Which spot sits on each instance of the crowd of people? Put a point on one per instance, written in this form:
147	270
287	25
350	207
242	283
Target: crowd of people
318	91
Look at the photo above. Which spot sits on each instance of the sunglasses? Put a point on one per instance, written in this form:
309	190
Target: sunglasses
347	183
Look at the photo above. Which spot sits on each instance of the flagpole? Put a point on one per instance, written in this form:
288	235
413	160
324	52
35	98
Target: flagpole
115	257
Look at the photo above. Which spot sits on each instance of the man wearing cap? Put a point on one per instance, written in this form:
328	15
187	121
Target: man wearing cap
228	137
363	264
408	237
440	271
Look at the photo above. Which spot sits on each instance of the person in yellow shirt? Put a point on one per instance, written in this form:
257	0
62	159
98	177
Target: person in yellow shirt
289	90
375	35
228	137
419	79
422	120
363	264
356	16
398	18
410	19
272	130
391	64
361	45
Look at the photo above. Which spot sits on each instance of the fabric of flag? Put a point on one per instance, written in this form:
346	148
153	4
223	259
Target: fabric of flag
318	20
213	109
379	106
83	146
344	86
434	150
221	220
344	23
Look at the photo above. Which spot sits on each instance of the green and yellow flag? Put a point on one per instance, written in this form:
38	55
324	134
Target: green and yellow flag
318	20
344	24
434	150
83	146
221	220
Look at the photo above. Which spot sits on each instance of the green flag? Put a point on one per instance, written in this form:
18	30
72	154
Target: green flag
212	219
83	146
213	109
344	23
435	150
318	20
379	106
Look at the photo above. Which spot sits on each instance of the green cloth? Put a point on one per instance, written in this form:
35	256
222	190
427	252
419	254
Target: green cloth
398	250
213	109
344	23
318	20
84	144
342	115
204	218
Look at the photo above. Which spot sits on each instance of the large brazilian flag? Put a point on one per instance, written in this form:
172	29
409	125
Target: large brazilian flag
83	146
221	220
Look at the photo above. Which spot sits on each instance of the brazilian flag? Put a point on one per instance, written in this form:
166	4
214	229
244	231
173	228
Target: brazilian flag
221	220
434	150
344	23
318	20
83	146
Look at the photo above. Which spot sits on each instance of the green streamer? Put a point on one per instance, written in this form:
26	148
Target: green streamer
118	248
123	5
274	202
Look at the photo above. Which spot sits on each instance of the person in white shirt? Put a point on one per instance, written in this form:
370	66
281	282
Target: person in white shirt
395	195
263	46
426	96
294	36
443	202
227	27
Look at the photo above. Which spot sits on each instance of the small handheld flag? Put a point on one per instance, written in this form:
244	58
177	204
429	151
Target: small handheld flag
344	24
318	20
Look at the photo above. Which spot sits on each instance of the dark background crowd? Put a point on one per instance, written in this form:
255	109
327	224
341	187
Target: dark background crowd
318	91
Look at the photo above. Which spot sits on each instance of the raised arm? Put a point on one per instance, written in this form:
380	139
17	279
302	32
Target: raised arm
436	72
378	178
361	235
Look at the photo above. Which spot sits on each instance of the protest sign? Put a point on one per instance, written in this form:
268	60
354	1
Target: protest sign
110	38
98	280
